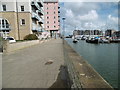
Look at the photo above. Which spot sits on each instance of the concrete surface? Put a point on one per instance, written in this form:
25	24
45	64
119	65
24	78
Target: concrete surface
34	67
88	77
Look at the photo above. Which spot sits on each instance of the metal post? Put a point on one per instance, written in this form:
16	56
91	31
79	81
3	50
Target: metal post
63	32
17	20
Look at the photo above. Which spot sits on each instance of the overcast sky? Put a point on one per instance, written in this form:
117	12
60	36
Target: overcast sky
89	15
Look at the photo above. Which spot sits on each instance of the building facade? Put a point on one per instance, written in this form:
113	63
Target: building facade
109	32
19	19
51	16
87	32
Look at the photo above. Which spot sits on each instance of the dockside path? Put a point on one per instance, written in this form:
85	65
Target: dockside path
34	67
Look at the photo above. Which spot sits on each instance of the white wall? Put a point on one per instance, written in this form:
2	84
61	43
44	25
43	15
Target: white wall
11	5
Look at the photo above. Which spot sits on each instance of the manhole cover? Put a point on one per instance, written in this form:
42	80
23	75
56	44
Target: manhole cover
49	62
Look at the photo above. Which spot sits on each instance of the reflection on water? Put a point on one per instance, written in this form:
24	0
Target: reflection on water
103	57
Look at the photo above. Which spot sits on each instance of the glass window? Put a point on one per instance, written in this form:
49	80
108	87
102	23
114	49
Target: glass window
47	12
54	21
47	26
4	7
22	8
22	21
54	17
47	21
47	17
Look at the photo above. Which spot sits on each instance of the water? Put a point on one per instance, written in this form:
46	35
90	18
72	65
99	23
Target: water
102	57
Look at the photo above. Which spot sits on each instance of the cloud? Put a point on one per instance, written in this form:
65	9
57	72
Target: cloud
89	15
114	19
92	15
69	13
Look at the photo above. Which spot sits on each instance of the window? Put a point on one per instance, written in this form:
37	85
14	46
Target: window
54	17
47	17
47	26
22	8
47	7
54	26
47	22
22	21
47	12
4	23
54	21
4	7
54	12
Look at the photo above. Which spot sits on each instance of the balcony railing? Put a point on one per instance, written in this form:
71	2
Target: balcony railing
36	27
40	11
34	3
40	2
34	15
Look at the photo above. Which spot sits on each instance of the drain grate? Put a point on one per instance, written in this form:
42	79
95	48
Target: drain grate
49	62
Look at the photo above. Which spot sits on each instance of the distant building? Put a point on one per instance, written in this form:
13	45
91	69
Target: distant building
109	32
51	16
75	32
116	34
19	19
87	32
98	32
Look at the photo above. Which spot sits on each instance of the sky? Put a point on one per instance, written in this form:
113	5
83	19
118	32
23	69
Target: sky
89	15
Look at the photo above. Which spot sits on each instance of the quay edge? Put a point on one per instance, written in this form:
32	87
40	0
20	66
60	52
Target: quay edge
87	75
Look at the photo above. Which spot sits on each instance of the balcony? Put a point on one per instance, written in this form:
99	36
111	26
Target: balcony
34	15
40	2
34	27
33	3
41	21
58	7
40	11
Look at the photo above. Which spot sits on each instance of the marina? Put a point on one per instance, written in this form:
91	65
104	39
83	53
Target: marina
102	57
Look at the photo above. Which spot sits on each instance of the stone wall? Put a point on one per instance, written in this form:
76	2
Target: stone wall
19	45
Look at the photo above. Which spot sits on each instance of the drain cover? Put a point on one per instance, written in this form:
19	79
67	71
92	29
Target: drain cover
49	62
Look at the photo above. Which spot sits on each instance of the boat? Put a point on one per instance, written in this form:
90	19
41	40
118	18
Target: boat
115	41
75	40
105	41
92	40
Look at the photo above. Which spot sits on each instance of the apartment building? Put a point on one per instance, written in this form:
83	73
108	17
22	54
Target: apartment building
51	17
109	32
20	18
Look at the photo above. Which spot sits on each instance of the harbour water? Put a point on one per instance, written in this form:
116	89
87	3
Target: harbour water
102	57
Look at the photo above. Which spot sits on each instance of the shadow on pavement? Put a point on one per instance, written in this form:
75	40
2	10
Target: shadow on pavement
63	80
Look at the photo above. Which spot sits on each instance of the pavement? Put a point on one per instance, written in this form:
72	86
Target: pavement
34	67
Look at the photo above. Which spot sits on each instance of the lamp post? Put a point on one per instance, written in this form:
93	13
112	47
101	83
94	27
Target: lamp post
17	20
63	32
